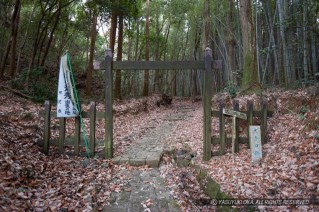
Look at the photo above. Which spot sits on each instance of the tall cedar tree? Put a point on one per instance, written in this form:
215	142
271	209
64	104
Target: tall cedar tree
250	73
146	72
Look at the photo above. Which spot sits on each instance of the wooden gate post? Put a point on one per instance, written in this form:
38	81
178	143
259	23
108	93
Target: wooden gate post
92	128
250	114
207	95
264	105
222	135
108	105
236	108
47	133
77	136
62	135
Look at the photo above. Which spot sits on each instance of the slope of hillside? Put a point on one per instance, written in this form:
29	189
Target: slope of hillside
289	168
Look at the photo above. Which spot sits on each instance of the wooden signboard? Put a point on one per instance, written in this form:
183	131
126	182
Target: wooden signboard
66	102
234	114
255	143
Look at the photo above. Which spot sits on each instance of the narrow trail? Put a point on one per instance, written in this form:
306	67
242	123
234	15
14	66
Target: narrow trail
146	189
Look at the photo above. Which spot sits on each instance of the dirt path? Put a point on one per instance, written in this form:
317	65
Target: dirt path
146	188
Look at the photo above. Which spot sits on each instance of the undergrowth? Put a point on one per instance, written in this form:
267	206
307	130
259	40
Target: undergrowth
42	86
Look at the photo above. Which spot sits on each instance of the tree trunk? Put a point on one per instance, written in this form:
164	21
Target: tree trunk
314	56
47	47
277	76
304	36
25	38
117	91
146	72
137	41
250	72
133	82
15	27
195	52
158	73
284	45
113	29
5	57
89	70
231	42
206	24
39	34
130	41
12	43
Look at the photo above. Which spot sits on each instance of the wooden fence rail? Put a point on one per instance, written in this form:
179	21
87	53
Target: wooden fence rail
92	114
223	140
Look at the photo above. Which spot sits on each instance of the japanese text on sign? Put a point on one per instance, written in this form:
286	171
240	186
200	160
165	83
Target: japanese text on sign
255	143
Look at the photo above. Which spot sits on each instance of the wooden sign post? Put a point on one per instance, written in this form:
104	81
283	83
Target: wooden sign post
234	114
255	143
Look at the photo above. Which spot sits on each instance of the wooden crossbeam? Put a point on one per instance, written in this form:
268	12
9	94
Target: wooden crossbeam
234	113
159	65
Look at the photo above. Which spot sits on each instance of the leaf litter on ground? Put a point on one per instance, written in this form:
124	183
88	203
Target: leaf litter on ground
289	169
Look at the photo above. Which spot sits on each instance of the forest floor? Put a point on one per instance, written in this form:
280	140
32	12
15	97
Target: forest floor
289	169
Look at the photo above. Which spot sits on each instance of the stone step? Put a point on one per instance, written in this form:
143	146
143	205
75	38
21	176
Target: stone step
151	160
146	189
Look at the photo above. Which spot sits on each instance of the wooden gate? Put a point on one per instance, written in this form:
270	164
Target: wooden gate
207	65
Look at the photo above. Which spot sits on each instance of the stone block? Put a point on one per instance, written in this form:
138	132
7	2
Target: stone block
124	160
137	161
117	159
153	161
181	162
114	208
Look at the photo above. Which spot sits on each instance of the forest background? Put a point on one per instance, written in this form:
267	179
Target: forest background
261	43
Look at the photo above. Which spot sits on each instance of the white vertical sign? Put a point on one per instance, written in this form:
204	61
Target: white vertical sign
66	105
255	143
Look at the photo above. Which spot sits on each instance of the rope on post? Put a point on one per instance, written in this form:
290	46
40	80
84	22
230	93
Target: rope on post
78	106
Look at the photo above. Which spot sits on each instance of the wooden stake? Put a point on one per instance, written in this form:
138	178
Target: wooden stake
46	137
222	127
61	135
108	105
207	95
77	136
233	137
236	108
92	128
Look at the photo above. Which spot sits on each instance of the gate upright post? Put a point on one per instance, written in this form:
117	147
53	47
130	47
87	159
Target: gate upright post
108	105
92	127
47	133
207	95
62	135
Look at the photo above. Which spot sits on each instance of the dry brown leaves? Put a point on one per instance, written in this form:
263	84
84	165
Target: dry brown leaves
290	165
185	188
289	168
30	180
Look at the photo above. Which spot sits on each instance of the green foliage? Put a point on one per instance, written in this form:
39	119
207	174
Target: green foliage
301	117
304	109
232	89
42	86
